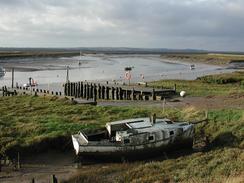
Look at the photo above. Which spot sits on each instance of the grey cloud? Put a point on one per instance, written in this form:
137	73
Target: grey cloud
204	24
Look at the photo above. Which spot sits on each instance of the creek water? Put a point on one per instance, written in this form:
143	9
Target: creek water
101	67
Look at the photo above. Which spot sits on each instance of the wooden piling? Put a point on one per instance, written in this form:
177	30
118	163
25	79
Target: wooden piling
65	89
103	92
99	91
120	93
87	92
112	93
53	179
91	90
18	161
84	91
107	92
117	93
95	93
153	94
81	90
12	77
33	180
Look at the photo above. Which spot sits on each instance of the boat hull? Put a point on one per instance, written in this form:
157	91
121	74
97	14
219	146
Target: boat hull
134	152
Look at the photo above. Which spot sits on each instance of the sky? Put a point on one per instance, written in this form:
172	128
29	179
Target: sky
179	24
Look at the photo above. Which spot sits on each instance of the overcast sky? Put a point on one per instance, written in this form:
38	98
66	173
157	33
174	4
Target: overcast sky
198	24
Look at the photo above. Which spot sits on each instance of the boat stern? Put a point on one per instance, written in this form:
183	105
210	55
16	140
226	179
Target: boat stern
79	140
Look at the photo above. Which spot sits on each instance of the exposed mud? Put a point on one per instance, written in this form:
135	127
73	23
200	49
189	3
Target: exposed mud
41	167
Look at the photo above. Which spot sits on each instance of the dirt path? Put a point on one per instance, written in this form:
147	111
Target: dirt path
234	101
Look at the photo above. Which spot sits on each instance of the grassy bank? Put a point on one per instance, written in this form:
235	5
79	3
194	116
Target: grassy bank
27	121
208	58
28	54
219	85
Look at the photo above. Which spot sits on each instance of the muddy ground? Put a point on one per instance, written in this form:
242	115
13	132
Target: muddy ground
233	101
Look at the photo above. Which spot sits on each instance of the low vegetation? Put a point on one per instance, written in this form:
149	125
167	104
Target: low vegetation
28	121
237	77
208	58
221	162
218	85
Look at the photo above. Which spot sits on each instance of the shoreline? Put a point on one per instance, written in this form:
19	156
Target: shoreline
209	59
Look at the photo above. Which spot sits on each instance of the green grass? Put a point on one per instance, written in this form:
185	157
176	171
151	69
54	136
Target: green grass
218	85
27	121
223	162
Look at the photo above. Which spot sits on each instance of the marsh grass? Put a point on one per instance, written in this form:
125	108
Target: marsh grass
39	123
216	59
217	85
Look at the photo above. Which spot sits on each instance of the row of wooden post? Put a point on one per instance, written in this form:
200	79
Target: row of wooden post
97	91
6	92
36	90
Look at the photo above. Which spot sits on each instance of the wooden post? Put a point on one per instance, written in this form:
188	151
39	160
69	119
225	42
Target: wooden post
67	75
85	86
153	94
99	91
33	180
76	90
120	93
117	93
95	93
12	77
70	89
91	91
53	179
81	90
65	89
107	92
103	92
18	161
112	94
175	88
87	92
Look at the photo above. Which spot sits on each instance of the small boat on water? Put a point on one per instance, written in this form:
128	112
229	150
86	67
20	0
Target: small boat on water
192	67
135	137
2	72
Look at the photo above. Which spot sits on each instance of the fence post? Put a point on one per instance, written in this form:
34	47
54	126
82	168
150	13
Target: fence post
54	179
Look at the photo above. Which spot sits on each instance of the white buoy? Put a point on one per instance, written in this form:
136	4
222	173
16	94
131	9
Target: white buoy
182	93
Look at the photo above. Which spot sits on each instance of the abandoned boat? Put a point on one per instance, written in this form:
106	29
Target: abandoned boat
134	137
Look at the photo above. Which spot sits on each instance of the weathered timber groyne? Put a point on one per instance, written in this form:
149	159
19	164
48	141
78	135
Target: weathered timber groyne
96	91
